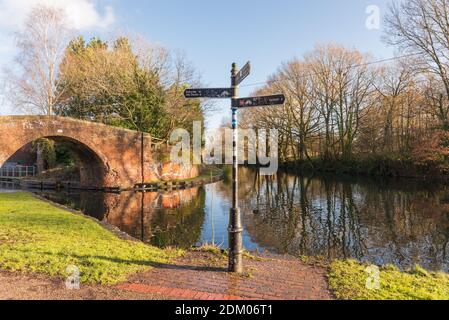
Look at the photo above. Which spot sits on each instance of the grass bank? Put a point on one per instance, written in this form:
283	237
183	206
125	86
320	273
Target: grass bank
38	237
348	280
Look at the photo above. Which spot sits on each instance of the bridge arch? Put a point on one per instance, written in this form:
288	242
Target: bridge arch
91	163
109	157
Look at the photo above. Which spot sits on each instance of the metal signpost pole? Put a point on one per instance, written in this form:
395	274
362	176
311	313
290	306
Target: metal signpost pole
235	221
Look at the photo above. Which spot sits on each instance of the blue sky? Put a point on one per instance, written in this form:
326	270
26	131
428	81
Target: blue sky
213	34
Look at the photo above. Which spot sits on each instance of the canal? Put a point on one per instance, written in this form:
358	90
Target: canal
399	222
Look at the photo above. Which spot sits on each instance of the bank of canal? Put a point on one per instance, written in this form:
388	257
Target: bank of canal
37	238
397	222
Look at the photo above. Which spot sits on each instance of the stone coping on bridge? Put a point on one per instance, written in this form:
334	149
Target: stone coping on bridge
81	121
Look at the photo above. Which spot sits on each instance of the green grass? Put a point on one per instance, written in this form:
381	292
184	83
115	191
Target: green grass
36	237
348	281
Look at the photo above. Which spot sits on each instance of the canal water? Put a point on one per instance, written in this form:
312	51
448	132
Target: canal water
400	222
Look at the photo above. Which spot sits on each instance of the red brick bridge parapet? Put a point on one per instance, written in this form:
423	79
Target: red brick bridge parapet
108	157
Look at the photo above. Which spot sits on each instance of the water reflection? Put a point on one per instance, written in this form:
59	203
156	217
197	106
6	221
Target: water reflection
402	222
162	219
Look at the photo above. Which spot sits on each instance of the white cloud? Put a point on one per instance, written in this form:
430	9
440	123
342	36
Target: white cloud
82	14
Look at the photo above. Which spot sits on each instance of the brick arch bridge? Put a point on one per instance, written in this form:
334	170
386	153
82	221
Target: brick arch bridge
108	157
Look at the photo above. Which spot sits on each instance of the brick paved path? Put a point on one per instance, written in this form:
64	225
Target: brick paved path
203	276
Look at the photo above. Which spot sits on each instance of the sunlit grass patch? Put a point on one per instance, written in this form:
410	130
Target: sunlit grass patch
348	279
38	237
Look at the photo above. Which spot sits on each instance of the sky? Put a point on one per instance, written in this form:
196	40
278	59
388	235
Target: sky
212	34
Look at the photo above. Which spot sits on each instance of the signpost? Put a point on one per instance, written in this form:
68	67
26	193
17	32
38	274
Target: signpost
218	93
235	221
243	73
260	101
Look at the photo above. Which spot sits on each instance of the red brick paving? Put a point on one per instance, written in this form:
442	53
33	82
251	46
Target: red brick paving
203	276
176	293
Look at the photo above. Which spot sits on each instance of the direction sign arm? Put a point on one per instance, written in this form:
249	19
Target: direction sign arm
260	101
243	73
214	93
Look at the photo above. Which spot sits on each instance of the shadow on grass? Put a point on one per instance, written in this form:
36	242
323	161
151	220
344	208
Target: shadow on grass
149	263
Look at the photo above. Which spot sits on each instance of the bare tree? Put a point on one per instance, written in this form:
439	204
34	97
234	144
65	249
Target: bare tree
32	83
421	27
323	94
328	94
300	117
342	87
394	82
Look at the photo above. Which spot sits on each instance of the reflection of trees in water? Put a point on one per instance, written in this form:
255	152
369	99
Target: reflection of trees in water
90	203
338	219
180	227
164	219
395	222
301	223
412	224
